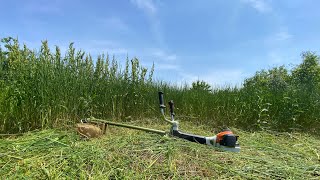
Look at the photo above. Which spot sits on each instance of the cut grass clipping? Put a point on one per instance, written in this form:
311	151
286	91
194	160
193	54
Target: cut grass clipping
125	154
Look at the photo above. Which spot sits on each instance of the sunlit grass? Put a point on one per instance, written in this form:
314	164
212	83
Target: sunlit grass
131	154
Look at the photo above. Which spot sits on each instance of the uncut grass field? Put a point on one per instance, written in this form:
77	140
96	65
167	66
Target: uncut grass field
130	154
44	93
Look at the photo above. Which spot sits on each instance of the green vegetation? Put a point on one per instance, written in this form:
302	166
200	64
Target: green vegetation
130	154
41	89
44	89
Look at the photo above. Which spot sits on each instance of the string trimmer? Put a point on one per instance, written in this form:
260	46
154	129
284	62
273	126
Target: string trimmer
224	140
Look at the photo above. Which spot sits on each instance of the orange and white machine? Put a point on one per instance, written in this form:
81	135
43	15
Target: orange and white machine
225	140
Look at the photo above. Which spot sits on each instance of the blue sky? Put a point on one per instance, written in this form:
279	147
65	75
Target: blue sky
219	41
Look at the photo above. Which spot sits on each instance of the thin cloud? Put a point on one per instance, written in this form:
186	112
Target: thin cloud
103	43
162	55
277	58
217	77
122	51
102	46
150	9
165	66
261	6
147	6
43	7
94	47
282	36
114	23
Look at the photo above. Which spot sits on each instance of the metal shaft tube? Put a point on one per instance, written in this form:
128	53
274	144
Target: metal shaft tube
129	126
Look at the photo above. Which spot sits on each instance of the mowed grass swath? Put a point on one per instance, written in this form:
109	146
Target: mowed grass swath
40	89
131	154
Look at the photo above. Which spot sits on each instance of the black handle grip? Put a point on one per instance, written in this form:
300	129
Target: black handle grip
161	100
171	104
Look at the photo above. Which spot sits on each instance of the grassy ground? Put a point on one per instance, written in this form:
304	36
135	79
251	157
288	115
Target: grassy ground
130	154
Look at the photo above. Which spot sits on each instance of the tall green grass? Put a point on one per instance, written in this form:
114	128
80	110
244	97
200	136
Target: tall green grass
44	88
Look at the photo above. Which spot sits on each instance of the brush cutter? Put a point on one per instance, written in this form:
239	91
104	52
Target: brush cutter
224	140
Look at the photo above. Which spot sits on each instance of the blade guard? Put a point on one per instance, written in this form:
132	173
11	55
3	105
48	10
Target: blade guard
212	141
